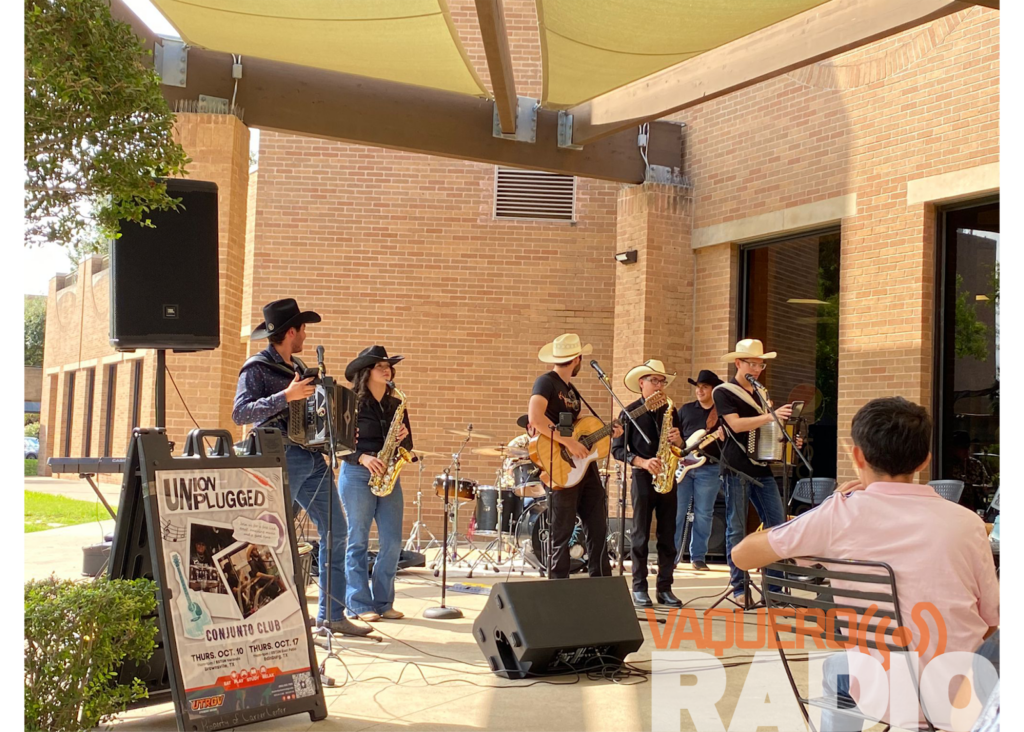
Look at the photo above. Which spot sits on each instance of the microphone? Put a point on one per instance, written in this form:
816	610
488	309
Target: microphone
600	374
755	382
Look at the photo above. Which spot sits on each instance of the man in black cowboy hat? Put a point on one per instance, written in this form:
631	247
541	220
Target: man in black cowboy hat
700	484
266	384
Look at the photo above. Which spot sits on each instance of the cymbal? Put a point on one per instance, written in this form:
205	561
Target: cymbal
427	453
500	451
474	433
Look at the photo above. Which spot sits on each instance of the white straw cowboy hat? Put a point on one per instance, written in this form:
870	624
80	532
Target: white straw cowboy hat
564	348
648	367
749	348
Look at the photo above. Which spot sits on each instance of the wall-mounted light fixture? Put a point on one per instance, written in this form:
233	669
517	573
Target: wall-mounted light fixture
628	257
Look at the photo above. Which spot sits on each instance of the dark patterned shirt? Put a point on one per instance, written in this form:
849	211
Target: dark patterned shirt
259	396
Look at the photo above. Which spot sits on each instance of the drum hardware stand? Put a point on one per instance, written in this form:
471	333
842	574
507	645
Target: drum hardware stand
499	540
443	612
603	378
416	534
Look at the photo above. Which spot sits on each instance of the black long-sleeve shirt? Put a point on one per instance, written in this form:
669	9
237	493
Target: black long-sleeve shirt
650	422
374	422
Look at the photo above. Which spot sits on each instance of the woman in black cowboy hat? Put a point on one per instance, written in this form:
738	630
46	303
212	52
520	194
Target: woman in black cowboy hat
369	374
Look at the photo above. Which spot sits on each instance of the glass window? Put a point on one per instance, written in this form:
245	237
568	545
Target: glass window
69	410
108	430
967	352
791	303
90	387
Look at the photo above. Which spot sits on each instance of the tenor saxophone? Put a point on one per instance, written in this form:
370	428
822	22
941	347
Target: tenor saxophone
668	454
393	455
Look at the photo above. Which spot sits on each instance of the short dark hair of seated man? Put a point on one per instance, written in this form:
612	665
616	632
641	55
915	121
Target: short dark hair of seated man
894	434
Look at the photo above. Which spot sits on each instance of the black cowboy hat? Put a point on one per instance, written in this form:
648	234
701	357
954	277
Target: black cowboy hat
523	421
281	315
369	357
706	377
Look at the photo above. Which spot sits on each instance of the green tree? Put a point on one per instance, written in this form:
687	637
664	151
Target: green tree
97	129
35	328
971	336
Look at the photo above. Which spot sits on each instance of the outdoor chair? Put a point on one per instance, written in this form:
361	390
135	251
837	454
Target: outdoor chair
813	490
801	591
948	489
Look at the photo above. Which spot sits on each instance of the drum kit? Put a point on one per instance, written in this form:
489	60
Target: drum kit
511	512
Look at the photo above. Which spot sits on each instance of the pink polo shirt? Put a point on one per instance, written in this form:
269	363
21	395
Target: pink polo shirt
938	550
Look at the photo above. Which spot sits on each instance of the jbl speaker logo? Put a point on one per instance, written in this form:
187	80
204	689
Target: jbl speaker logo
171	312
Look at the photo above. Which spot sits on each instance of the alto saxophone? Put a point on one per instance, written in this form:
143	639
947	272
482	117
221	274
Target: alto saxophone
393	455
669	455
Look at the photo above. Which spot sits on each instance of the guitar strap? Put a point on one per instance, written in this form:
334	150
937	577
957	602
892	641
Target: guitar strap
741	393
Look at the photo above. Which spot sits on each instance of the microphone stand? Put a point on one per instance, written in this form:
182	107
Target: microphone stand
444	612
622	483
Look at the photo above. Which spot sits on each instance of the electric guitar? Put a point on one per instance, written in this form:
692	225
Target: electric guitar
566	471
694	458
193	614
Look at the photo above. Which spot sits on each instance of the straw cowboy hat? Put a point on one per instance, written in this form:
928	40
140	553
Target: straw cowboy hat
648	367
564	348
749	348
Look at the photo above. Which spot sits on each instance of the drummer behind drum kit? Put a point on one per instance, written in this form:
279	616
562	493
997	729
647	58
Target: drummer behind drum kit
511	512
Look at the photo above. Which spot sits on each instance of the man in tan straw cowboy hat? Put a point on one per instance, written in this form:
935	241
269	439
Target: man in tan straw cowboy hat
647	379
739	411
554	394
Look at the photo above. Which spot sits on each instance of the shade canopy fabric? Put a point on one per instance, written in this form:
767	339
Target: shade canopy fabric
408	41
593	47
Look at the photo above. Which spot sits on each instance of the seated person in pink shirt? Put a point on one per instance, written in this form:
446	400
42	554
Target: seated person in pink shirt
939	551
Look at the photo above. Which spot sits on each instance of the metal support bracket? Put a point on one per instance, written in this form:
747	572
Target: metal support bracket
667	175
565	131
170	58
526	121
213	105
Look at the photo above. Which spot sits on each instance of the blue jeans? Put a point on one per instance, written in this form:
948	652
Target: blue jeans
363	508
768	504
310	482
700	484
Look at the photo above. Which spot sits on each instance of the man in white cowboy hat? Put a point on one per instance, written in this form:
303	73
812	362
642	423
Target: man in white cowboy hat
647	379
267	383
739	411
553	394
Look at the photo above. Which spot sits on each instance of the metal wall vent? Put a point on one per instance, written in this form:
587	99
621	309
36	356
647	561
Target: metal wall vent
533	194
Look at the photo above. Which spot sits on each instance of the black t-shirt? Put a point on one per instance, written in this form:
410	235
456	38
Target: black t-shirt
561	397
693	417
735	455
374	423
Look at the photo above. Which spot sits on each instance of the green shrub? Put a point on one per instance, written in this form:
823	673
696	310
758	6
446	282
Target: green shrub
32	430
77	634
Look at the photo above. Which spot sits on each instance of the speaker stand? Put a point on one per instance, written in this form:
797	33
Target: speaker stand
160	411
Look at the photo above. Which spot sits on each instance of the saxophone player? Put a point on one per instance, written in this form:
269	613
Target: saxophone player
370	373
648	471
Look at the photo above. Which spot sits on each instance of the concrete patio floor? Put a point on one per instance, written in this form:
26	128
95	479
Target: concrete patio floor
430	675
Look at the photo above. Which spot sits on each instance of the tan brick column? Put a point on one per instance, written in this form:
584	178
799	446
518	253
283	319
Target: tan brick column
654	297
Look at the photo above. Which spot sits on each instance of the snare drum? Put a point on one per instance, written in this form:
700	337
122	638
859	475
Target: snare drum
526	480
466	491
487	510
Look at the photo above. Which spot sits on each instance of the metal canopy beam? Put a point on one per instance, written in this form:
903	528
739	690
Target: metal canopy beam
491	15
305	101
830	29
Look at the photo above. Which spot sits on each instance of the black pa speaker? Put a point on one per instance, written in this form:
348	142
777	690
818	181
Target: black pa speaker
164	281
555	626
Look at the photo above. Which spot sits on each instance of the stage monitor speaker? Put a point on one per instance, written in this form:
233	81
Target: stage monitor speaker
164	281
548	627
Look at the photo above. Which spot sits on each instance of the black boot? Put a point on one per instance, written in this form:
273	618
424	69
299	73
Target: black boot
667	598
642	599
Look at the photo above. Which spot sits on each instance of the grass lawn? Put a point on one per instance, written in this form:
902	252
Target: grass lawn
30	467
44	511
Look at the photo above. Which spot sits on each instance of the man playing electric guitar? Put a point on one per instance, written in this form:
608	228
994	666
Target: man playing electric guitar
554	394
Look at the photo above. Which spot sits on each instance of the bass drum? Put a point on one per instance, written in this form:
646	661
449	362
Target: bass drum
530	535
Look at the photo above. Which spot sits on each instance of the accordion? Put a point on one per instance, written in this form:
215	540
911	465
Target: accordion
307	419
766	443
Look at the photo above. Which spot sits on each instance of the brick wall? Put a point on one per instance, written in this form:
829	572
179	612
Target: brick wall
922	103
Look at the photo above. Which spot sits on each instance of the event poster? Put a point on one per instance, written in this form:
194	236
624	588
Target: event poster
235	611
